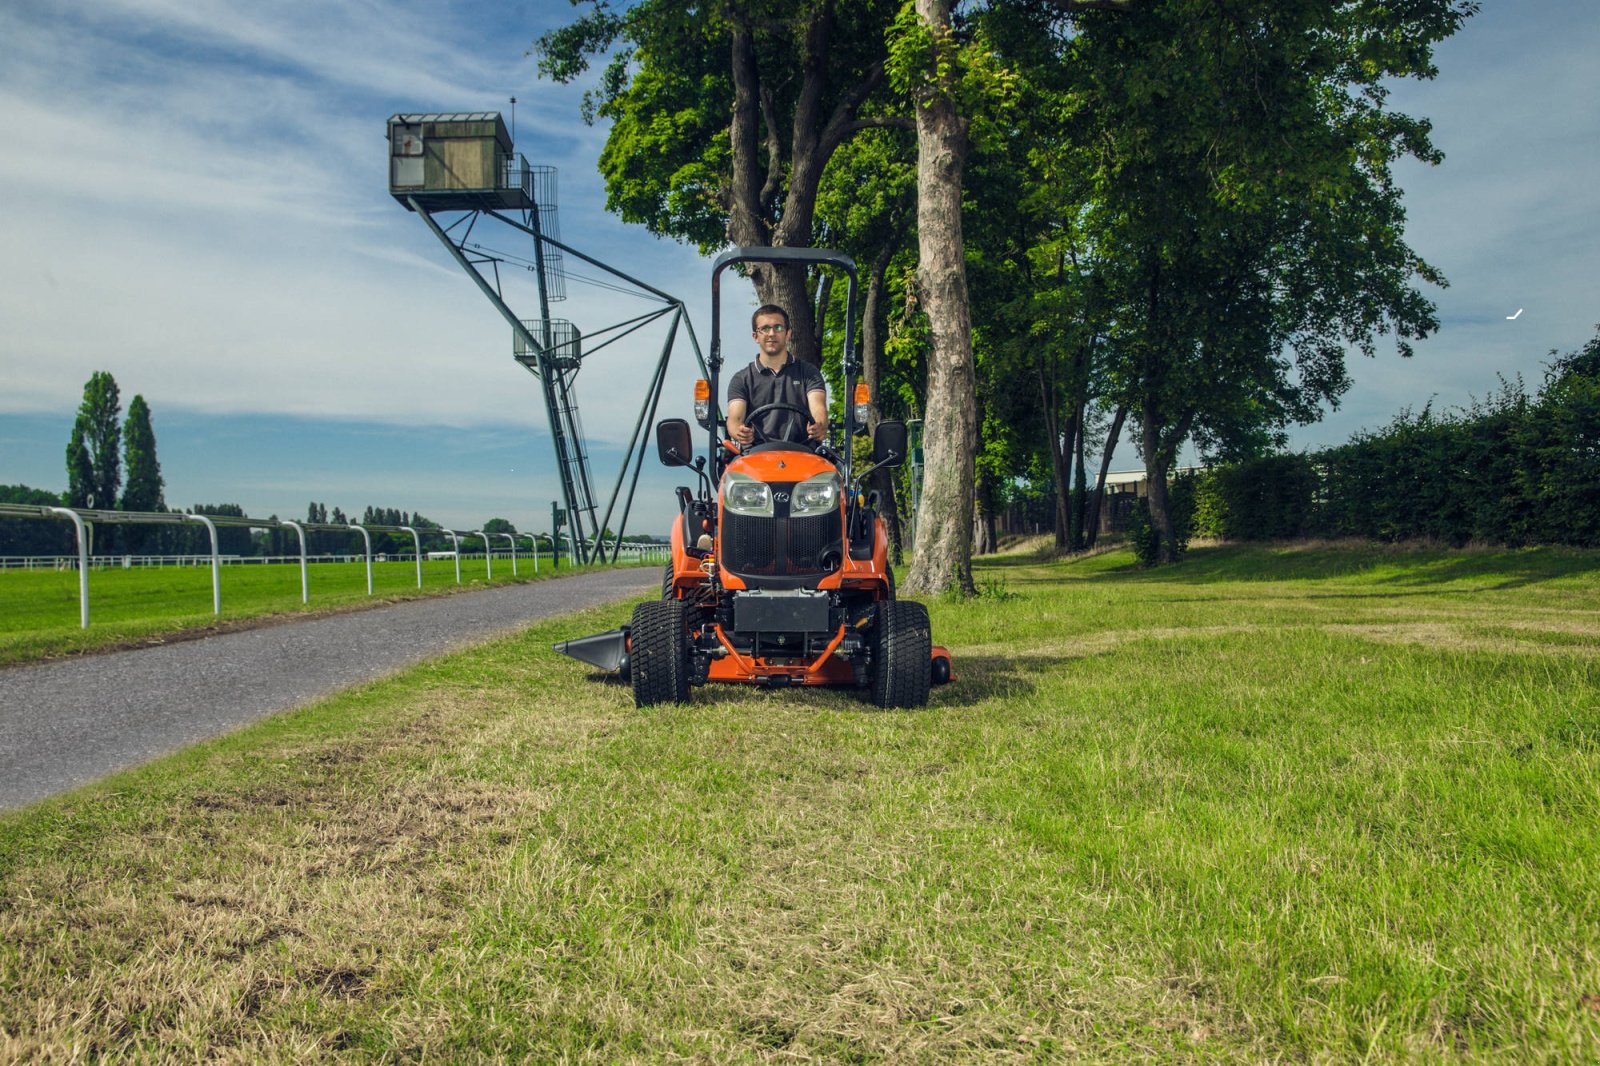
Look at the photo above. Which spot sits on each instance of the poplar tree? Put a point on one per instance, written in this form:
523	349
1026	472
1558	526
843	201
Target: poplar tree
94	461
143	491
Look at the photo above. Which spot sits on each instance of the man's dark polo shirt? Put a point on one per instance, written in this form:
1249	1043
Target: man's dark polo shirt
758	386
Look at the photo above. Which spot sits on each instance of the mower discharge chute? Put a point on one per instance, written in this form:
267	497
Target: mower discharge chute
780	571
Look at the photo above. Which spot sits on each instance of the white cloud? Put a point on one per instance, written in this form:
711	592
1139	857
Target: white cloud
194	198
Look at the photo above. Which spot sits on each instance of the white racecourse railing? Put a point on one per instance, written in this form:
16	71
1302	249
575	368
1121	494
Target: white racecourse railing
83	520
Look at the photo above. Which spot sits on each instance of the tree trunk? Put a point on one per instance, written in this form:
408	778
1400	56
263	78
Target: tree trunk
1092	519
1080	490
1155	476
1052	433
1159	453
754	191
1061	463
983	531
944	523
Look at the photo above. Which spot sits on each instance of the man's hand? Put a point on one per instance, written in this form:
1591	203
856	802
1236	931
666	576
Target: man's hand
817	431
744	434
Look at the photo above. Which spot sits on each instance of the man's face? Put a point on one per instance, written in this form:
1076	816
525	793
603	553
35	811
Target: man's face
772	335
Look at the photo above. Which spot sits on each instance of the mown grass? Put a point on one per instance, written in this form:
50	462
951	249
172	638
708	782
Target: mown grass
1325	804
39	609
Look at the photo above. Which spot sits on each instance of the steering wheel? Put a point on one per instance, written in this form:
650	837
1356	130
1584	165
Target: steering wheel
761	437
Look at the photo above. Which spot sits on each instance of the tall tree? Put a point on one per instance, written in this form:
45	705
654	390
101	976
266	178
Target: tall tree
1244	175
725	116
94	459
143	491
946	76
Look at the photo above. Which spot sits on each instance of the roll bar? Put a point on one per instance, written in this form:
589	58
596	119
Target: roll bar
787	257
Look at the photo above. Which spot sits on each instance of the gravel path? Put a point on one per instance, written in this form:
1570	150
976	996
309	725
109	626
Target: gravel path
63	724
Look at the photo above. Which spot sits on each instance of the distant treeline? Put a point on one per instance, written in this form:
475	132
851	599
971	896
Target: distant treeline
1513	469
103	447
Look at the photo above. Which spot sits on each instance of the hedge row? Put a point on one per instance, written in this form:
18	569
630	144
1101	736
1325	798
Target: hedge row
1514	469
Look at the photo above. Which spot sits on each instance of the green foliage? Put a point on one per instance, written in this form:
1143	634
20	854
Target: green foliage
1182	503
1512	469
668	90
1260	499
33	536
231	540
1249	226
143	491
1558	445
94	451
1142	535
959	61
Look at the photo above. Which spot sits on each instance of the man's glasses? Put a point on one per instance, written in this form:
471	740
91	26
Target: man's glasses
772	329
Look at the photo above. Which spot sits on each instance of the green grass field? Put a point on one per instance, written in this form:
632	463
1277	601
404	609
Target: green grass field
39	609
1321	803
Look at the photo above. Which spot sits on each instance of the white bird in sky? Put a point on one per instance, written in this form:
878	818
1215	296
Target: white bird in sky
1513	318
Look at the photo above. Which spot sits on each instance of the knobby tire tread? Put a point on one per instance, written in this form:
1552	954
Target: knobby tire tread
659	660
903	650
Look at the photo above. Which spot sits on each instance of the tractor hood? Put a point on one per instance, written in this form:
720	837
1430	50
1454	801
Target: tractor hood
773	464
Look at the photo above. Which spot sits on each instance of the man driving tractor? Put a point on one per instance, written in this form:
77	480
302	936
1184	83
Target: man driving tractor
776	376
779	573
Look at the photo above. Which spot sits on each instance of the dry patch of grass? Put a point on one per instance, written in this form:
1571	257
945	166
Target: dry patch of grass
1469	638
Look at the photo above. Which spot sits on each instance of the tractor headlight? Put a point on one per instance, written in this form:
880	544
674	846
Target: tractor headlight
743	494
816	495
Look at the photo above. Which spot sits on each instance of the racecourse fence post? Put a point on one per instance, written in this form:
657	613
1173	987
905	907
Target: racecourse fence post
455	549
513	542
488	557
416	542
216	562
367	538
83	564
305	588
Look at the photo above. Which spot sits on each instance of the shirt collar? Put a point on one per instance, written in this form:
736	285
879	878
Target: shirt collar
761	368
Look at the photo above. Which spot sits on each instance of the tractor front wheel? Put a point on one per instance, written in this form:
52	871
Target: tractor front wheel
658	662
902	644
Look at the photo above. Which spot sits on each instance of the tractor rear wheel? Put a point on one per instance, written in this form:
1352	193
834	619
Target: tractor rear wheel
658	663
666	582
902	647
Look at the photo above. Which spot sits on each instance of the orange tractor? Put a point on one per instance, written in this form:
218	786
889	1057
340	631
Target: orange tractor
780	572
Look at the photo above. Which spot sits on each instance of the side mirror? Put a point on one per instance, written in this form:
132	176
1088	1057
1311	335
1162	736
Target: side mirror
673	442
889	443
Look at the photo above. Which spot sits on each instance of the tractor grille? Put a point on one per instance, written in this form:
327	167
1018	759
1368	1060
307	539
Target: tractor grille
808	539
778	546
750	544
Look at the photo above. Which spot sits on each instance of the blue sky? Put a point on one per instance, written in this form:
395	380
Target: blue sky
193	198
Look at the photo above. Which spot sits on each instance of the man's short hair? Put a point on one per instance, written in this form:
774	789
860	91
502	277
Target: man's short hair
769	309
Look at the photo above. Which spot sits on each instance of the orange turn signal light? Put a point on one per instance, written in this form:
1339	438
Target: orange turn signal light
702	401
863	402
